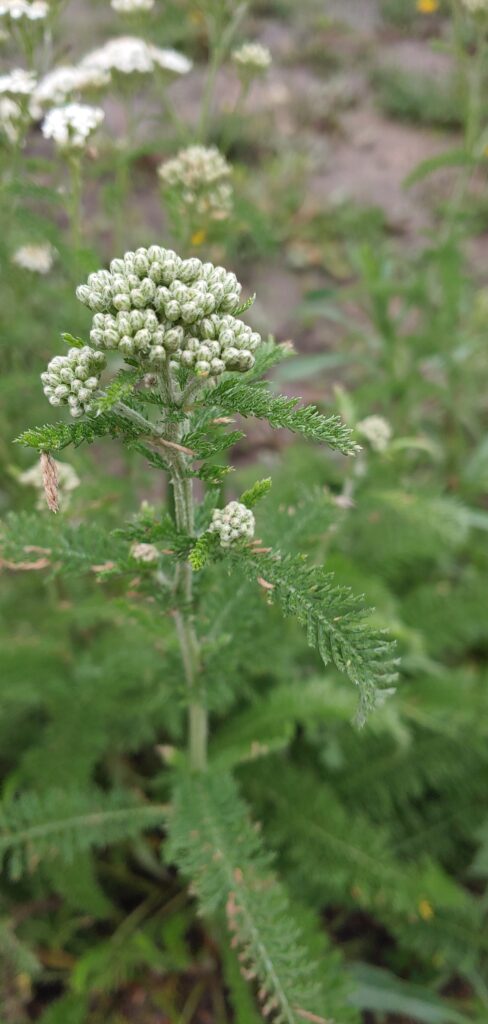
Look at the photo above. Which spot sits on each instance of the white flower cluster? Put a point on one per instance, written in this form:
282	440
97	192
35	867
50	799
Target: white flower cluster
233	523
200	174
377	431
37	258
153	305
252	57
129	54
73	379
37	10
65	81
71	126
132	6
18	83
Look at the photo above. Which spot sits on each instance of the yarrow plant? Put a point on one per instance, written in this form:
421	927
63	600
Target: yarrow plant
192	365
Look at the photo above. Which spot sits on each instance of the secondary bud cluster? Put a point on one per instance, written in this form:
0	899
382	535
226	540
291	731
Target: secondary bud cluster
200	178
155	306
73	379
233	523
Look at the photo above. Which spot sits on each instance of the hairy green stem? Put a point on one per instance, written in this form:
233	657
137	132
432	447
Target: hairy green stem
183	584
189	646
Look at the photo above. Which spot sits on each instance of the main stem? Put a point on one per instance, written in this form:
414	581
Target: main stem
184	616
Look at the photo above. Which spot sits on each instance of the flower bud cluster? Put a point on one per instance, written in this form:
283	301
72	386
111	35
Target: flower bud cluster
233	523
200	177
71	126
73	379
154	306
252	58
377	431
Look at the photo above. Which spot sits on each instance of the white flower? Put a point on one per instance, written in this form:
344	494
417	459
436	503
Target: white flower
144	552
377	431
154	306
18	83
252	57
129	55
18	9
37	258
132	6
67	481
233	523
73	379
58	85
71	126
201	176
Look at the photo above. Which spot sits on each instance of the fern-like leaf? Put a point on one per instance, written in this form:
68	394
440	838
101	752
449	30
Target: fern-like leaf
334	618
61	824
215	844
254	399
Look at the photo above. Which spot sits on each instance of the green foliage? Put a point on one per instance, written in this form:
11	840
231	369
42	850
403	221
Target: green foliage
63	823
259	490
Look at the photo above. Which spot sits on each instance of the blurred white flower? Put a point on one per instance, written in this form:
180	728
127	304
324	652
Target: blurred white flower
132	6
144	552
37	10
70	127
476	5
12	119
37	258
252	57
60	83
18	82
377	431
200	174
129	55
67	480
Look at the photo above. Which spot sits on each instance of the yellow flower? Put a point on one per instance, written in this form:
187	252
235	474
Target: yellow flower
427	6
426	910
198	237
